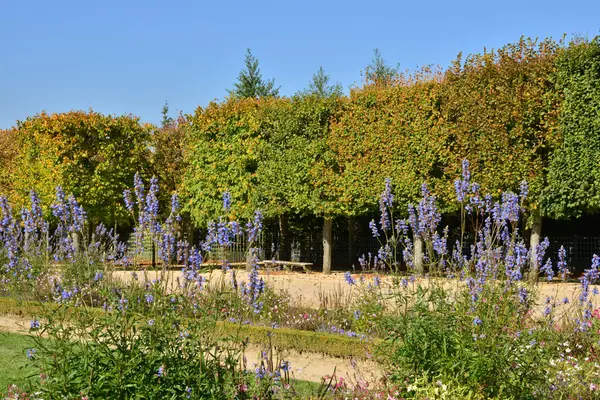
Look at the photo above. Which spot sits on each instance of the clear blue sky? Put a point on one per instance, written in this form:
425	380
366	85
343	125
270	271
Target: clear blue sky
130	56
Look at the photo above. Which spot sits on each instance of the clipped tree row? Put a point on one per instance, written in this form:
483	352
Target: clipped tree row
526	111
90	155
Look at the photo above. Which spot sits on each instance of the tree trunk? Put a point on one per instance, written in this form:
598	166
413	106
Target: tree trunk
153	255
284	238
327	244
75	238
418	254
534	241
249	259
351	244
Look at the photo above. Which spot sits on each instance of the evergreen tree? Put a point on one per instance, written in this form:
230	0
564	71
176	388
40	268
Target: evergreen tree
166	120
319	86
379	73
250	82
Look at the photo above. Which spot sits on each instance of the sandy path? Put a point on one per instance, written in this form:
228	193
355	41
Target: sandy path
306	289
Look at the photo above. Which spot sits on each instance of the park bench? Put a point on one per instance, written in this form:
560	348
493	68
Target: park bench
306	266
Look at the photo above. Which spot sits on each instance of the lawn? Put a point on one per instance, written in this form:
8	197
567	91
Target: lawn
13	360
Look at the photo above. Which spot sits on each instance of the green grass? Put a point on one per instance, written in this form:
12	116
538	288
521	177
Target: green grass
13	362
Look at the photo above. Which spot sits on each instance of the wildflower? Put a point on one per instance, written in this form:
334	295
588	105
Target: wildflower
462	186
260	372
376	281
477	321
547	269
562	264
35	324
149	298
128	200
349	279
98	276
226	201
373	228
254	227
524	190
30	353
161	371
523	295
66	295
151	322
174	203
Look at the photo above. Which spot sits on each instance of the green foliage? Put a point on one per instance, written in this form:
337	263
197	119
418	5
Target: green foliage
250	82
222	152
320	86
378	133
119	355
294	134
500	109
379	73
167	157
574	172
500	357
90	155
166	120
8	153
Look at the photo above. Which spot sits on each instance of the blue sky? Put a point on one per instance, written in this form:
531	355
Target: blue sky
131	56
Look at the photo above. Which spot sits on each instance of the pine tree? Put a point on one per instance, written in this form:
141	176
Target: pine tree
250	82
379	72
166	120
319	86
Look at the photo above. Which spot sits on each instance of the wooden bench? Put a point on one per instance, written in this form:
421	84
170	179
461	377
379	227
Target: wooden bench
307	267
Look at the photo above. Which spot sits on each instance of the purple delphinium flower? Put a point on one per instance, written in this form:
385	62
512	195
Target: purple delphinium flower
548	270
477	321
374	230
523	190
349	279
376	281
428	214
128	200
563	271
523	295
35	324
254	227
462	186
386	202
30	353
98	276
540	251
226	201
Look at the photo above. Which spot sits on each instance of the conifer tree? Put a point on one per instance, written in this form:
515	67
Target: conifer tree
250	81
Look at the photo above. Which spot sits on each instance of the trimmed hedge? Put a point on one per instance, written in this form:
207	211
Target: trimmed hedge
281	338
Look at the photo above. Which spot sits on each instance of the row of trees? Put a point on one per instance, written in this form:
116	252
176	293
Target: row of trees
529	110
